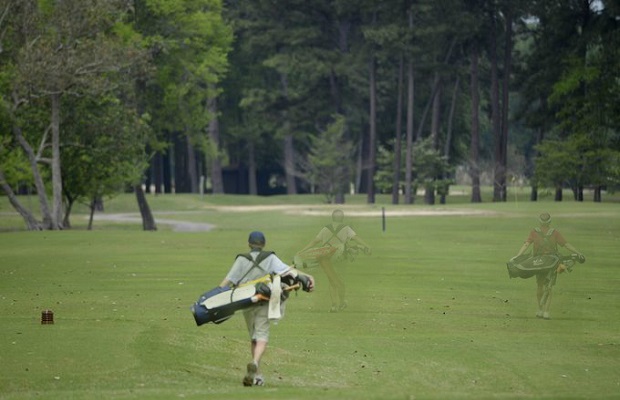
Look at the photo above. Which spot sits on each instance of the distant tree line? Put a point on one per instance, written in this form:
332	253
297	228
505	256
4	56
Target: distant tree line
297	96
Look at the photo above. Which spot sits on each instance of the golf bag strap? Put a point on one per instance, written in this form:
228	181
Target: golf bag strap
335	232
547	244
259	258
545	235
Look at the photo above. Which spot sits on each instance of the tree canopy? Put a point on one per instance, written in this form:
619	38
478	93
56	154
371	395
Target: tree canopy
262	97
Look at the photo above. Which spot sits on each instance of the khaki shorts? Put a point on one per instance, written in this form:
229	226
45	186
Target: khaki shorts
257	321
256	318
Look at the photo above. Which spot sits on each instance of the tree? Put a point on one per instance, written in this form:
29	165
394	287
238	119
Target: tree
59	49
474	158
103	151
189	42
326	168
429	165
556	164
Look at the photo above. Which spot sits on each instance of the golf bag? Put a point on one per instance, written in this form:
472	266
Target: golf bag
526	266
220	304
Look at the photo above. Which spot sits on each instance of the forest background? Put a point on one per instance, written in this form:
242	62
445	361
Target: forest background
293	96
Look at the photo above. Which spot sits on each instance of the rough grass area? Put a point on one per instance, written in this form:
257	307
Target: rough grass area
432	312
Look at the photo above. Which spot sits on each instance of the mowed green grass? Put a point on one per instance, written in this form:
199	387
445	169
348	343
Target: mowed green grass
432	312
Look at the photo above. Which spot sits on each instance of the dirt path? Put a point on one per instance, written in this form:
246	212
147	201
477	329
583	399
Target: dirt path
307	210
352	210
177	226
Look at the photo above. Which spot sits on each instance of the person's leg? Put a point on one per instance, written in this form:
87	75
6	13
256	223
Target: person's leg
547	305
252	367
258	349
257	321
336	285
540	286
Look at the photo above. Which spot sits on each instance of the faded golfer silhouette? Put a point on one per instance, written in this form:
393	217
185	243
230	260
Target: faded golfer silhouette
335	243
545	263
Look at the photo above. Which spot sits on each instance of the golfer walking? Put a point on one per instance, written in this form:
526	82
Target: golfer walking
256	317
337	236
546	240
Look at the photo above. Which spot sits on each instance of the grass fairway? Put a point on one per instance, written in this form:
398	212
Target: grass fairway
432	312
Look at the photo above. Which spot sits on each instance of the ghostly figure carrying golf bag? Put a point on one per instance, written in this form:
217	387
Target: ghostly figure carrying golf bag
525	266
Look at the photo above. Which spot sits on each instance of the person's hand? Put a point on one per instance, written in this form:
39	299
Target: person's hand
582	258
307	282
561	268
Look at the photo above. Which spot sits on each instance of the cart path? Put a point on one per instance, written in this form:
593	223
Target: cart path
177	226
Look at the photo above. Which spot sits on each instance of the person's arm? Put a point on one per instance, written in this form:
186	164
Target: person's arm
360	241
572	248
225	283
280	267
523	248
233	275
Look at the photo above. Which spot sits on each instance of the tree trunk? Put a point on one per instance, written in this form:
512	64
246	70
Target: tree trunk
217	180
167	159
148	222
598	194
158	173
372	131
192	173
436	116
38	180
498	171
252	168
289	148
435	87
534	193
179	163
506	98
418	135
409	195
558	192
474	146
31	222
451	114
397	136
66	222
429	194
56	170
359	166
92	207
289	164
448	143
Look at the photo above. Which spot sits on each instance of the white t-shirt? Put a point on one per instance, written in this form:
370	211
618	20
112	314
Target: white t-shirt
327	237
241	266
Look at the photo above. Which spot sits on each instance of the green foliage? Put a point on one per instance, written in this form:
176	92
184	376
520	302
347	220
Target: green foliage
557	162
385	170
190	42
329	165
573	91
430	167
104	149
14	164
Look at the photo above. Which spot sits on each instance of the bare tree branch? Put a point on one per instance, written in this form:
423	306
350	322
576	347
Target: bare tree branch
43	142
